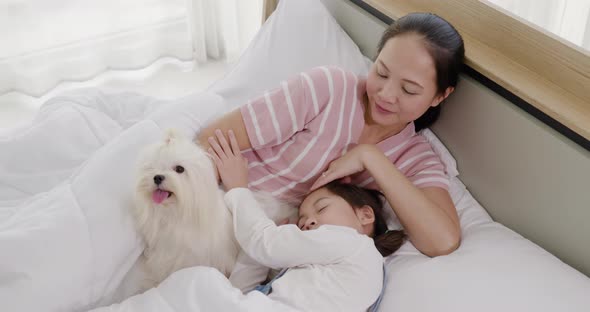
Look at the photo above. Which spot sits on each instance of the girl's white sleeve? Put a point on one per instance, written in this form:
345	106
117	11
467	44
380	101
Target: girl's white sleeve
286	245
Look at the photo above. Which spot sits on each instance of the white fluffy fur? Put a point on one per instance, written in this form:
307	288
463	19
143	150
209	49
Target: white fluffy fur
193	226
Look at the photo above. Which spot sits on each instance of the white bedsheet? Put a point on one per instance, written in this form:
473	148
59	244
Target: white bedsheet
67	241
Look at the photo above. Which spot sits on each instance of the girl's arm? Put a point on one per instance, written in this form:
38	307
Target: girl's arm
428	215
285	246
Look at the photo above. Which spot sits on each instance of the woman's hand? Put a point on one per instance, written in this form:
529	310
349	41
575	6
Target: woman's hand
352	162
231	165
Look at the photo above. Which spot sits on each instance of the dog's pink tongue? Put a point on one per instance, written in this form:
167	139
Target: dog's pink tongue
159	195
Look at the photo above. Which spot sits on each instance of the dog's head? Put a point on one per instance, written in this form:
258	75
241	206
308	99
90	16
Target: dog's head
174	175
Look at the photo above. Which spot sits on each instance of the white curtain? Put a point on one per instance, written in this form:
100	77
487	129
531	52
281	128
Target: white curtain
45	42
222	28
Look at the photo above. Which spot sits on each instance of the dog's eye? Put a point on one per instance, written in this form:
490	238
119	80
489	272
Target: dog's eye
179	169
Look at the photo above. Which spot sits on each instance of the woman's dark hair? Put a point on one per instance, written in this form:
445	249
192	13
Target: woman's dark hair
387	242
445	46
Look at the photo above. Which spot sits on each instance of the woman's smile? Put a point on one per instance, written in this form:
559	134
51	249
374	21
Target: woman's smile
382	110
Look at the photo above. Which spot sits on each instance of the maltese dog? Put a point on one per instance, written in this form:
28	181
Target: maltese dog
180	212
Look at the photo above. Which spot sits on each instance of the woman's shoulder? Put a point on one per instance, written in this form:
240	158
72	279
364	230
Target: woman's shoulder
419	139
408	148
415	145
404	141
420	162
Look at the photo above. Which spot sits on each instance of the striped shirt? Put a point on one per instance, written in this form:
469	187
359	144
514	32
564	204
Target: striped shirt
297	129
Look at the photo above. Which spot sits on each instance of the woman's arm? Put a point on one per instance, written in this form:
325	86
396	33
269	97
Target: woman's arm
232	120
428	215
277	114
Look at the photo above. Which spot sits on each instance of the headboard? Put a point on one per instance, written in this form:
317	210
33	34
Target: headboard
527	176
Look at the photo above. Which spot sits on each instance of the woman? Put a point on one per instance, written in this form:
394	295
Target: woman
327	124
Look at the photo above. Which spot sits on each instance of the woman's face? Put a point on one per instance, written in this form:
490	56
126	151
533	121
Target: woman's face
322	207
401	84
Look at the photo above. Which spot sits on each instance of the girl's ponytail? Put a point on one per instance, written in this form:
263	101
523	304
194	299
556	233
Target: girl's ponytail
390	241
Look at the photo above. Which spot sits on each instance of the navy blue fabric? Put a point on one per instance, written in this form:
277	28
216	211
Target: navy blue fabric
375	305
267	288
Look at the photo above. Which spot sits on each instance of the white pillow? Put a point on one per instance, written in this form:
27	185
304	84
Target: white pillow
494	269
299	35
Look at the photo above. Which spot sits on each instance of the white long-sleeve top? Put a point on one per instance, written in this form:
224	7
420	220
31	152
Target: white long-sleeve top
332	268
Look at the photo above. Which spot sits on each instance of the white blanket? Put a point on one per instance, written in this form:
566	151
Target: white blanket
197	289
66	185
67	130
67	240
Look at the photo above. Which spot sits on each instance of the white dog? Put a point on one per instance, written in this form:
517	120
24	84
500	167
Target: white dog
181	214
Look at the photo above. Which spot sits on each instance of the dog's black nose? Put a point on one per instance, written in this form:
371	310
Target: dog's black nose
158	179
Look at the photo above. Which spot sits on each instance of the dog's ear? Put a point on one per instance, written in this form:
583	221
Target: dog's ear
171	134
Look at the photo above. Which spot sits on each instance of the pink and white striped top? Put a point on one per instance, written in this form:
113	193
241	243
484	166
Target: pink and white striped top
297	129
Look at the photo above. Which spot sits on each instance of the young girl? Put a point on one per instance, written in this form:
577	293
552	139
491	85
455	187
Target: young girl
332	263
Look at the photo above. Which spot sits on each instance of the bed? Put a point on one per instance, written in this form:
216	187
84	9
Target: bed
67	241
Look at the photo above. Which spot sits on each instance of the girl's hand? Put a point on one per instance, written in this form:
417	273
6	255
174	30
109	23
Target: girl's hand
343	167
231	165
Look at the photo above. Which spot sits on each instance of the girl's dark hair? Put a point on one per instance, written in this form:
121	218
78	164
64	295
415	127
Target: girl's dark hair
387	242
445	46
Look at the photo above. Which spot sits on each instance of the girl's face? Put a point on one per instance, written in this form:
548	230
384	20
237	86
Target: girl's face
401	84
322	207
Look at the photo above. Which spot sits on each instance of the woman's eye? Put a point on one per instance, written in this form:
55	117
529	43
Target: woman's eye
179	169
381	75
408	92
